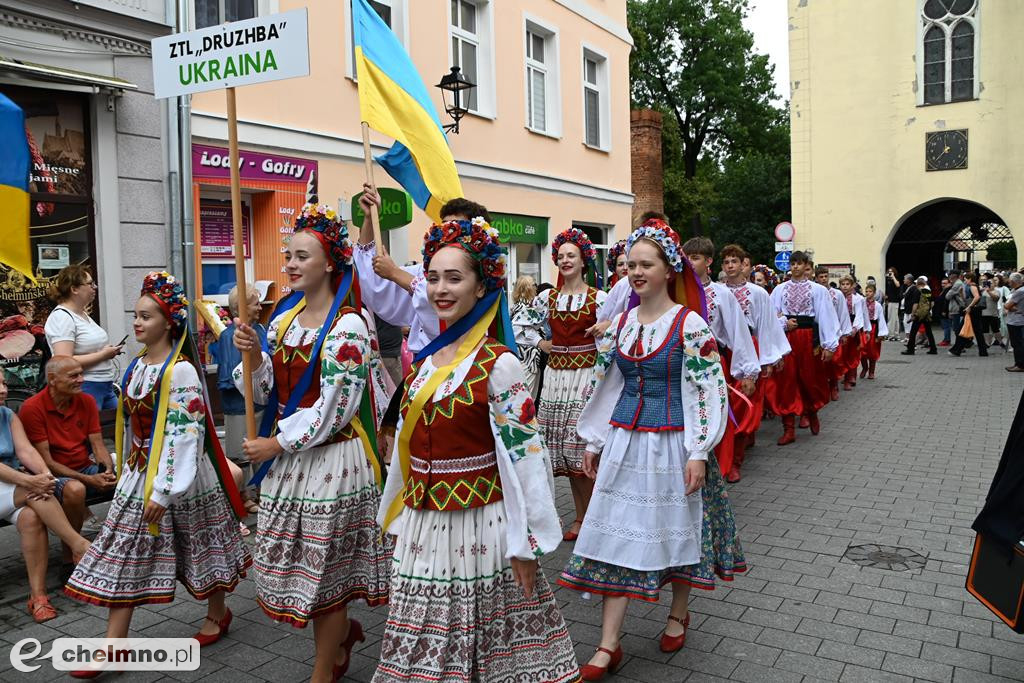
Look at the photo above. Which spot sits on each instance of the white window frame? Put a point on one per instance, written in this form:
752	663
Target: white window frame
603	89
486	68
263	8
923	25
399	24
553	80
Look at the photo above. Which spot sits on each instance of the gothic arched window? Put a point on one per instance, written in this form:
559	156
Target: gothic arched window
948	51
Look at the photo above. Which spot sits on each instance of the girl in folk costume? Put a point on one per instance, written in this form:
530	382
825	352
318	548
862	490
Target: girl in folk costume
875	331
855	310
660	514
470	493
317	546
570	309
764	277
616	263
175	511
526	325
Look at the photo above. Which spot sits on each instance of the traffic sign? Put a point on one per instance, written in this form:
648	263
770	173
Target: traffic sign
785	232
784	246
782	261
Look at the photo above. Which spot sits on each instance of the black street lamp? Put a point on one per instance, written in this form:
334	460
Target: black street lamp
455	83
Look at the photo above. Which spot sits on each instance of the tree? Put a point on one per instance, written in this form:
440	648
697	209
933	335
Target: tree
1002	254
694	61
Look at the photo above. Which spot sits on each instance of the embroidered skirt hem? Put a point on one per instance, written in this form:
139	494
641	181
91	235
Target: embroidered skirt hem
563	397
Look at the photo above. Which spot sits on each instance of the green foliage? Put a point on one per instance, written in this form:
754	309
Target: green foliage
1002	254
725	147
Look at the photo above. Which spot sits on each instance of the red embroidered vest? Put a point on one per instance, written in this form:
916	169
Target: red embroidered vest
571	349
453	465
290	362
140	415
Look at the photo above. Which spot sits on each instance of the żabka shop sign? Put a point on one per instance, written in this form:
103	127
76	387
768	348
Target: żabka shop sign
252	51
514	227
214	162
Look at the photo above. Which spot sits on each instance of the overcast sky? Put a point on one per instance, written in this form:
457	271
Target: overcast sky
769	22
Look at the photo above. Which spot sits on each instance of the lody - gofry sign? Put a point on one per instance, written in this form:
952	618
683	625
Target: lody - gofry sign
256	50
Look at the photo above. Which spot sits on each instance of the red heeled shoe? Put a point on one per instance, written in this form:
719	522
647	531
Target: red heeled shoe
572	535
591	672
355	635
86	673
675	643
224	624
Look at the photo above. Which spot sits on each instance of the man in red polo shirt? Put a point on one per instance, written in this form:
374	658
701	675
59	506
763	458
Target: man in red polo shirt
64	426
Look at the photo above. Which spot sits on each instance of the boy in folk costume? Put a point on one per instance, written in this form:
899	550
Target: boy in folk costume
174	516
736	347
318	547
875	331
470	492
854	309
812	328
570	310
837	365
768	336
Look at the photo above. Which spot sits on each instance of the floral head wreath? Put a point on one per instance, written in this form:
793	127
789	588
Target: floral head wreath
322	221
769	275
169	293
478	239
617	250
580	239
659	232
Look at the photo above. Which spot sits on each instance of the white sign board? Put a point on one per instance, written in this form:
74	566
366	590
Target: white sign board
785	232
240	53
783	246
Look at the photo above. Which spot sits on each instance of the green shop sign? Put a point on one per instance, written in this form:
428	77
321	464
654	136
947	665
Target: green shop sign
513	227
395	209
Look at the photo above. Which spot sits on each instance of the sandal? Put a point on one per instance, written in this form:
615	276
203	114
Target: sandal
41	610
251	506
243	529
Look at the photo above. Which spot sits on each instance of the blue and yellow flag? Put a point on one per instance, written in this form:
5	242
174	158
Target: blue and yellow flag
394	101
14	203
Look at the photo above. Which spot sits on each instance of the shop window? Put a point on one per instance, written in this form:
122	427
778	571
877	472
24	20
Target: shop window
216	12
948	51
543	113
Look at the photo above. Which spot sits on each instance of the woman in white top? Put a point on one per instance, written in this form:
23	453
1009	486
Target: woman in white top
71	332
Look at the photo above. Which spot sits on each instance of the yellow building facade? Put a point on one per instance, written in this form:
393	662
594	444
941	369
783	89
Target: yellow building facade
546	144
904	117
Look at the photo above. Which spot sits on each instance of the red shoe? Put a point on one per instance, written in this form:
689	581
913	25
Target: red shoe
804	422
355	635
871	374
224	624
944	343
815	425
835	393
86	673
591	672
846	385
863	371
734	474
572	535
675	643
788	434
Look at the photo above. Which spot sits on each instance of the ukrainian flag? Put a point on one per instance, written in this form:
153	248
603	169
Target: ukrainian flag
14	204
394	101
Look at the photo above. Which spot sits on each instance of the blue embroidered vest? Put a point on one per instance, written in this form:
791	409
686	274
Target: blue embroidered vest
650	400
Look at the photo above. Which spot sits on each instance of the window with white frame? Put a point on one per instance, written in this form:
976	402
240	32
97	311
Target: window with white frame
470	26
596	128
542	112
948	51
393	14
216	12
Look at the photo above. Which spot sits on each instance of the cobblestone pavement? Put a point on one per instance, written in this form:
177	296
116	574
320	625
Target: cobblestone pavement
904	460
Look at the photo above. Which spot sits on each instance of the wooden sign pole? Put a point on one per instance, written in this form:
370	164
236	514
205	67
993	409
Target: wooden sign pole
239	248
368	163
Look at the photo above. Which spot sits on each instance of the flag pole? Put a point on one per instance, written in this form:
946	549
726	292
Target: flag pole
368	163
239	249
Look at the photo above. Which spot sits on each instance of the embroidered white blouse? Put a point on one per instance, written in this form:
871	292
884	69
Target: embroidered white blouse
806	298
393	304
772	344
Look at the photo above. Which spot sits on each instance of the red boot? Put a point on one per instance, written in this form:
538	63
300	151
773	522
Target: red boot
738	453
864	368
815	425
804	422
788	433
871	369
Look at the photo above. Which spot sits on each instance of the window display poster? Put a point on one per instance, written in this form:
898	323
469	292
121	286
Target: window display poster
53	256
216	232
57	139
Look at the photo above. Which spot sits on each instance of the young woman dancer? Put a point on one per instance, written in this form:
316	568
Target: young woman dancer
317	546
660	514
171	518
875	331
616	263
570	309
469	494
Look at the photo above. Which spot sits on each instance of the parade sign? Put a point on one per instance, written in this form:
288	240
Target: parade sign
395	209
238	53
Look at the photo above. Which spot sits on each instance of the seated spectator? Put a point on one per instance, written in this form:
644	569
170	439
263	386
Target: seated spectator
27	501
63	424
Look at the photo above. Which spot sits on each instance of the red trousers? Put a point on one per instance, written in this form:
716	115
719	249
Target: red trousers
801	387
871	345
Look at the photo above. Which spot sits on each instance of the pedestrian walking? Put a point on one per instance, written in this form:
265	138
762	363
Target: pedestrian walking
973	309
1015	321
919	303
940	312
957	298
893	296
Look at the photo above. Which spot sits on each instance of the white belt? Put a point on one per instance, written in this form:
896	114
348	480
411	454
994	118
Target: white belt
453	465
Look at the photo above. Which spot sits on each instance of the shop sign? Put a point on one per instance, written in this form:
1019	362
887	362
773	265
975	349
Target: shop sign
240	53
514	227
214	162
215	230
395	209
